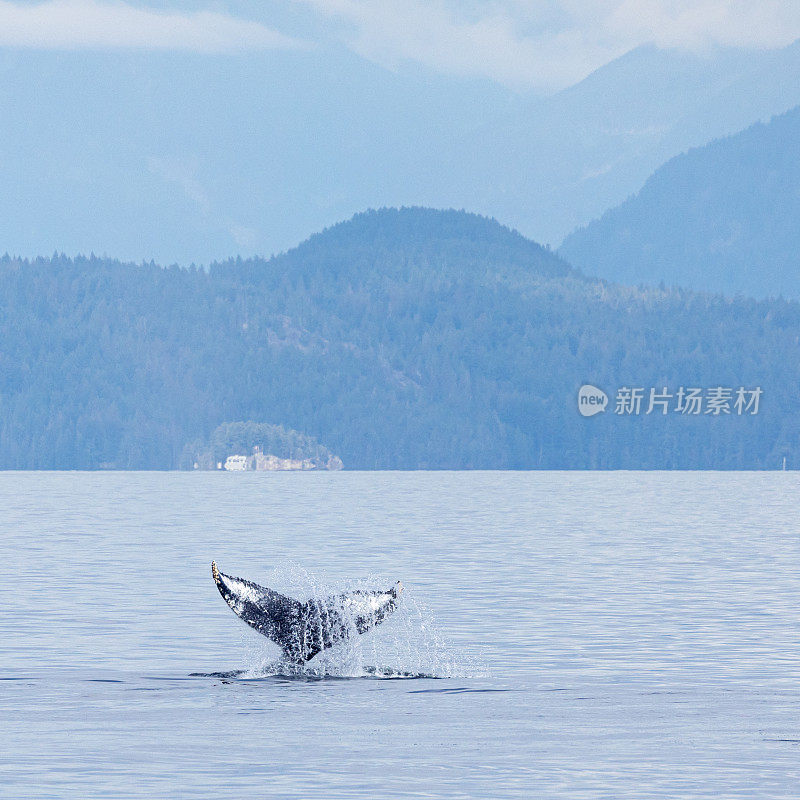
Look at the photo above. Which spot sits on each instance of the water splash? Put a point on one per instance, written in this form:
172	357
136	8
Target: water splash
406	644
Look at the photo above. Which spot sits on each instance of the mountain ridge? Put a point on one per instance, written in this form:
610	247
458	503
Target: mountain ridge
391	358
181	158
718	218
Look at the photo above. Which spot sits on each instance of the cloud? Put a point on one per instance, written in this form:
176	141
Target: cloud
539	44
83	24
428	33
549	44
696	24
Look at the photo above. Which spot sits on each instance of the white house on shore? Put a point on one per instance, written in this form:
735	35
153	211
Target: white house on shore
265	462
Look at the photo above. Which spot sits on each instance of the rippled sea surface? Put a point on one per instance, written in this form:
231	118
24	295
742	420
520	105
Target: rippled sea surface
568	635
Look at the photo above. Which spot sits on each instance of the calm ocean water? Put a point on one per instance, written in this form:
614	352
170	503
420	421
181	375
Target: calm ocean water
571	635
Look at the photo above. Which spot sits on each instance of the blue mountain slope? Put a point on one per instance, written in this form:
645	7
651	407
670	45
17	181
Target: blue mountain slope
721	217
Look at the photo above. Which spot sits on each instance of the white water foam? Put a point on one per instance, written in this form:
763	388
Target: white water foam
407	644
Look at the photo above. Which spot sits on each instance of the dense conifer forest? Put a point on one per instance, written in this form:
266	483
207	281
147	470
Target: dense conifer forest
400	339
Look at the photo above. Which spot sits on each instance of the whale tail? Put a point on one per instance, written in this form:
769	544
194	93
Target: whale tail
302	630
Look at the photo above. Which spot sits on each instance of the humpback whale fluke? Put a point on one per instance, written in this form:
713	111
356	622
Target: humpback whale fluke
302	630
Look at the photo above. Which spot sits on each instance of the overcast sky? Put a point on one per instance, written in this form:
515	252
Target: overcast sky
528	44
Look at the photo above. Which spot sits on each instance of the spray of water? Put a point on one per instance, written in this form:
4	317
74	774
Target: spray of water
405	645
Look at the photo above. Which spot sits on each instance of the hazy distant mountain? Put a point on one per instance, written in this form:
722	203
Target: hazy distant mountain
187	158
722	217
191	158
401	339
564	160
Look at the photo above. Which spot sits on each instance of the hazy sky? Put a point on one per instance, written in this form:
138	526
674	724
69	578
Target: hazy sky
530	44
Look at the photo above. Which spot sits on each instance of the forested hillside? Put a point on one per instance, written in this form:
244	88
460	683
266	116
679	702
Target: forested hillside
721	217
400	339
